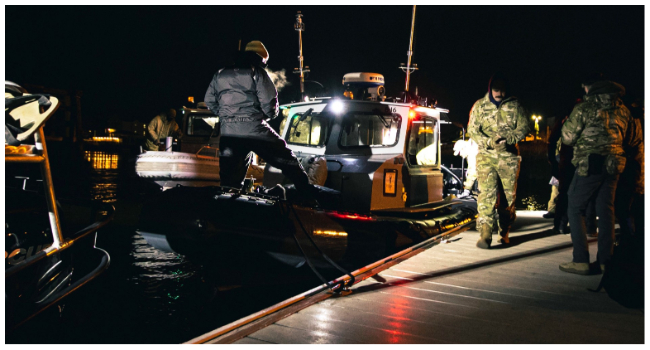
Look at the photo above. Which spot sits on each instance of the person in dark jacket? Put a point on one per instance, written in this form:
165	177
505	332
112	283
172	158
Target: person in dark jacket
245	99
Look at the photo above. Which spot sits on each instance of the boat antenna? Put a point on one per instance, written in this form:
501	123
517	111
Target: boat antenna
408	68
299	26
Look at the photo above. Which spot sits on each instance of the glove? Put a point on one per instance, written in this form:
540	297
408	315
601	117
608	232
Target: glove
511	139
498	142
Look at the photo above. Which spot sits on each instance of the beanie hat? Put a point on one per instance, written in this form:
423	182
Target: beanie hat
258	48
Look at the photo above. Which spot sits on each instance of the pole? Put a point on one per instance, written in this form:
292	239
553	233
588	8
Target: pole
300	27
301	59
410	51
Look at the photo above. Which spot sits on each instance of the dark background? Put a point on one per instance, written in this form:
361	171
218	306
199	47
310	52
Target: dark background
132	61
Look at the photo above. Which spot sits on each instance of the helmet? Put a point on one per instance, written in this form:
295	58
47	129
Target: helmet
258	48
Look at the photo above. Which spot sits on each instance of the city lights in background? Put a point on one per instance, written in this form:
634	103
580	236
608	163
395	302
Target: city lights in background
537	118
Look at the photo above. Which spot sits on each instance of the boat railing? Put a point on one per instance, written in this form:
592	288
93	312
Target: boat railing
38	154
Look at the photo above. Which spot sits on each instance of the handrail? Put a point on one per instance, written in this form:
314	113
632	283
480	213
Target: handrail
359	275
75	237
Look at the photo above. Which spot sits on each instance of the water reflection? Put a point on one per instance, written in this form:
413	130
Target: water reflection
102	160
104	173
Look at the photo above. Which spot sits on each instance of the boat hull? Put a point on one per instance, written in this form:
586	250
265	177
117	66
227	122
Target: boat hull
213	225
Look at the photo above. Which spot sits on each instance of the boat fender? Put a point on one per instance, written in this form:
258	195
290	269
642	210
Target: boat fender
316	169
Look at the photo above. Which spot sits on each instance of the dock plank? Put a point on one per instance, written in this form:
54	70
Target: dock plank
457	293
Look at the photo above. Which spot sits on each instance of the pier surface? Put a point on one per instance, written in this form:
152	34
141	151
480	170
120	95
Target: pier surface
457	293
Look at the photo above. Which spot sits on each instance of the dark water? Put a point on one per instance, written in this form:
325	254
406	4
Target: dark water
147	296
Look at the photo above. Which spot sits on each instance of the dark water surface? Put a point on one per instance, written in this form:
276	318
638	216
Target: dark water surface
147	296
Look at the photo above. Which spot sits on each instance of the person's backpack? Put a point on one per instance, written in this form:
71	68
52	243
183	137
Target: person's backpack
623	276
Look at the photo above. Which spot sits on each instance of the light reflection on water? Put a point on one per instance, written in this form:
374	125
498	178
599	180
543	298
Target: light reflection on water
158	264
160	277
104	174
165	279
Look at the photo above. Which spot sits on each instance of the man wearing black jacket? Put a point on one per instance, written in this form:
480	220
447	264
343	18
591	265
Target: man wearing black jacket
244	97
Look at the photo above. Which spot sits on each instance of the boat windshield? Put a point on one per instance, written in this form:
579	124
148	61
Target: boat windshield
201	125
369	130
423	142
308	129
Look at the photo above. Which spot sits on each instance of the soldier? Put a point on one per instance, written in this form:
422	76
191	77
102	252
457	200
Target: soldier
161	126
596	129
497	122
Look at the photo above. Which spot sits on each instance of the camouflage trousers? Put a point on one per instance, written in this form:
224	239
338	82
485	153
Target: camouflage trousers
497	178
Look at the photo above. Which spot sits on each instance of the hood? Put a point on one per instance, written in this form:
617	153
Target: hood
605	92
499	80
607	87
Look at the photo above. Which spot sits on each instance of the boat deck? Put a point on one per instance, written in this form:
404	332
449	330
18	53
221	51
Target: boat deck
457	293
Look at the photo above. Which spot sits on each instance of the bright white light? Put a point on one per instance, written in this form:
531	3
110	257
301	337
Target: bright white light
337	107
306	98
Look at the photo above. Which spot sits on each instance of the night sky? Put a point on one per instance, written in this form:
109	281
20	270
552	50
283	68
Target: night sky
132	61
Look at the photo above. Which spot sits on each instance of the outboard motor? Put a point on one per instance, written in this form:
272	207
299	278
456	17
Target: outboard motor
364	86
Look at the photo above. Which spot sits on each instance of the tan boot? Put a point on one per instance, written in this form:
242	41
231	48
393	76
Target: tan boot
486	237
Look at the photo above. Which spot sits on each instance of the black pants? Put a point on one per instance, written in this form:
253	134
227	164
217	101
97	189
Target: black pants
629	207
240	136
600	188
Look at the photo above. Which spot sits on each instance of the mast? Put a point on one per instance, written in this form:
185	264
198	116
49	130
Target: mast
408	69
299	26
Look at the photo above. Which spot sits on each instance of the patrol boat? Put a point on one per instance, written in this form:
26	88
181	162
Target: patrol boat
385	190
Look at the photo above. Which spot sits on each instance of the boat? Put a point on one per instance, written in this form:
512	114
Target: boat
192	159
385	191
384	194
46	258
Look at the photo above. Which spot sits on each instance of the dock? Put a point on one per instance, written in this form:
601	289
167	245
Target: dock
456	293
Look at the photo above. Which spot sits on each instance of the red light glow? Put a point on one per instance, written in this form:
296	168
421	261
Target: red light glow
351	216
411	114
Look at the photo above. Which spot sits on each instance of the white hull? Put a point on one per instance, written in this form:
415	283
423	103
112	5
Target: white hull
169	169
176	166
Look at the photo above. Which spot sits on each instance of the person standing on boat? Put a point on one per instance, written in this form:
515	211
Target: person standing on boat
161	126
245	98
497	123
597	129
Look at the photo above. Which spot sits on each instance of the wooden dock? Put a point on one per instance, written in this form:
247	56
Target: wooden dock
456	293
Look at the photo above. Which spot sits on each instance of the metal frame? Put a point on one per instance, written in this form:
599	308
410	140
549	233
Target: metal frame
39	155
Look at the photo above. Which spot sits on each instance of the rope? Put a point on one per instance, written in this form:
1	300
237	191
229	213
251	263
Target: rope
351	281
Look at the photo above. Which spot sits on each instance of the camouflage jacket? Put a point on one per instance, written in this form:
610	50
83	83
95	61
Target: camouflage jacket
635	163
598	126
508	120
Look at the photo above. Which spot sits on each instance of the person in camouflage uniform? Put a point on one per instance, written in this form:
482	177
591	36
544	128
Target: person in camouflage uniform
496	124
596	129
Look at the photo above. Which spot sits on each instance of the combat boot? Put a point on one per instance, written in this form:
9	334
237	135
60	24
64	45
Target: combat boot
486	237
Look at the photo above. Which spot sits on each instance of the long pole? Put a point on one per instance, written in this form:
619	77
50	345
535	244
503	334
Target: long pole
301	58
410	52
300	27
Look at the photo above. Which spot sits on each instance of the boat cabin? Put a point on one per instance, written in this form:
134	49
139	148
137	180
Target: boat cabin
380	155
